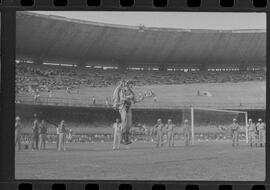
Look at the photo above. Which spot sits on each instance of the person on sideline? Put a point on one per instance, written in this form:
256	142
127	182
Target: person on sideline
35	134
62	133
235	132
159	128
170	132
18	127
116	134
187	133
42	135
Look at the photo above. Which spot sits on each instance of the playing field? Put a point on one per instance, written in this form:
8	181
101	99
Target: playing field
216	160
224	95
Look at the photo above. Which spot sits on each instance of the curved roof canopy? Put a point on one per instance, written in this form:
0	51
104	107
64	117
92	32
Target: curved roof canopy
51	37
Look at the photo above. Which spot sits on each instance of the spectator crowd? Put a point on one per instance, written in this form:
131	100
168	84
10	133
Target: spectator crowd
33	78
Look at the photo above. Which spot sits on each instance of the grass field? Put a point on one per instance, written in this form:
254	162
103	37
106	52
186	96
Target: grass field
216	160
252	94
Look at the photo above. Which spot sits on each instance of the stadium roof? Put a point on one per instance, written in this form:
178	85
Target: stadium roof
54	38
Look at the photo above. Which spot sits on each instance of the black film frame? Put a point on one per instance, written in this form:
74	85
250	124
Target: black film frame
8	10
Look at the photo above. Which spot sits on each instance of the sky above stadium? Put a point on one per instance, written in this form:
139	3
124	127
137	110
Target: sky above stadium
186	20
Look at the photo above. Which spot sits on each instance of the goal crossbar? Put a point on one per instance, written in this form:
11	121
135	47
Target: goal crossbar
219	110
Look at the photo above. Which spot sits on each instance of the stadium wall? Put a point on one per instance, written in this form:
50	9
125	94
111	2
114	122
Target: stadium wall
99	116
55	114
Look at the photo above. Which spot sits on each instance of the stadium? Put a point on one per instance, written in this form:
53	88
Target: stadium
67	69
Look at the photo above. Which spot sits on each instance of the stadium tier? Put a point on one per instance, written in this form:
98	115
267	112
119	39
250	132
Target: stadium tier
66	87
179	65
56	39
61	77
80	85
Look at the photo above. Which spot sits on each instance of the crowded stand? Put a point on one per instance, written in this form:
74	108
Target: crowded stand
31	79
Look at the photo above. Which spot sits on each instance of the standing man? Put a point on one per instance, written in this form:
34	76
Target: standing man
235	133
152	133
35	134
36	96
93	100
57	137
146	132
170	132
18	127
159	129
50	93
68	89
106	102
116	134
251	133
69	135
187	133
261	130
42	135
62	132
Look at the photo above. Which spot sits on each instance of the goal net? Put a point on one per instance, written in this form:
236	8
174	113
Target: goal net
214	124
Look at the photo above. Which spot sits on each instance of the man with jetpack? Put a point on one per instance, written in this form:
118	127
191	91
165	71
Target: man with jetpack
123	98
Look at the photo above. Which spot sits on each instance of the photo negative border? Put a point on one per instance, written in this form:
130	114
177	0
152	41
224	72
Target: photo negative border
8	10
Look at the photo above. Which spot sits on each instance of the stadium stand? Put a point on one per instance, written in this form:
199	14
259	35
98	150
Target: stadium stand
31	78
152	57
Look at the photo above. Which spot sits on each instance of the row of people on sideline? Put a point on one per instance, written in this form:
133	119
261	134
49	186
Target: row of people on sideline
161	129
256	133
39	135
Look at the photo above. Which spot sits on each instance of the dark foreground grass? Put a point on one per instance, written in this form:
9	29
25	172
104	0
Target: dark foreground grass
202	161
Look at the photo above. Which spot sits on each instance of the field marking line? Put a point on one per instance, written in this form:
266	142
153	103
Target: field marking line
240	150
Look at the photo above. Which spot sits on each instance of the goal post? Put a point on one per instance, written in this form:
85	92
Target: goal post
192	125
246	122
208	120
